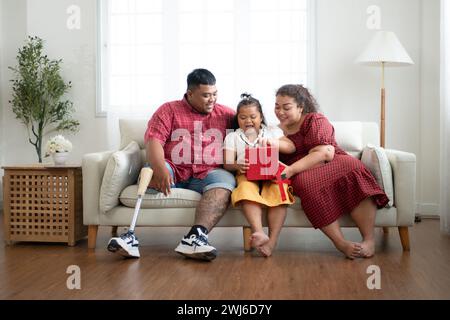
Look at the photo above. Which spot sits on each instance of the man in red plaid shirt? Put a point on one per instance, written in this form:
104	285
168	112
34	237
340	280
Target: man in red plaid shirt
184	141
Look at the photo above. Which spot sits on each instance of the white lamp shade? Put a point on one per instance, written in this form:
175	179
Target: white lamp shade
384	47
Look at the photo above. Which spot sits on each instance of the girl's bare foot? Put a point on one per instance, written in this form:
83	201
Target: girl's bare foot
367	249
257	239
266	249
351	250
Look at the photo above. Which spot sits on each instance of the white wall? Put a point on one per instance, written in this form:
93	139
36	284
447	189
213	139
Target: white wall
345	91
47	19
428	158
348	91
12	32
1	103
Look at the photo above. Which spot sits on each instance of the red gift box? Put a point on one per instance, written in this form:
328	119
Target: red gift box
264	165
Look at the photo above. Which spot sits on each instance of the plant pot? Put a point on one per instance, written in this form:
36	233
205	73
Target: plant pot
60	158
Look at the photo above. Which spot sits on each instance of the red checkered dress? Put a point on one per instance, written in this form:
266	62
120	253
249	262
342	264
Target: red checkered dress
333	189
180	128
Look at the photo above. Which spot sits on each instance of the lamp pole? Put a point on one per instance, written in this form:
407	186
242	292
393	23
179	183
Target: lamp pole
382	124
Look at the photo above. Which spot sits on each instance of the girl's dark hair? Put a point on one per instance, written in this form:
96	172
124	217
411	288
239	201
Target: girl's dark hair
301	95
248	100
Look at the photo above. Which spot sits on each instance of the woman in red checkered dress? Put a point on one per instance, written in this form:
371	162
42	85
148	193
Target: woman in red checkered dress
328	181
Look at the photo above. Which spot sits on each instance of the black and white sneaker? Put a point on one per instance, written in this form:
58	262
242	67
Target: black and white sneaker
126	245
197	247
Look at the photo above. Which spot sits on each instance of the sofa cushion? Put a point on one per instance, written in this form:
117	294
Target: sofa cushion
348	135
122	170
178	198
132	130
355	154
375	159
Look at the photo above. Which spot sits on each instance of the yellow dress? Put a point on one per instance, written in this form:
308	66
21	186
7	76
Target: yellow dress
265	192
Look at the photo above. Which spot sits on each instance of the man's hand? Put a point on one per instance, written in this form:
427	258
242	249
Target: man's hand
161	180
243	167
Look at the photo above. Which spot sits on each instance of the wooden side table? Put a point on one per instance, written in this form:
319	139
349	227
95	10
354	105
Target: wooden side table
43	203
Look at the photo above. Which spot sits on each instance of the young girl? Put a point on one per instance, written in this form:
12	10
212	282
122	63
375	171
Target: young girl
253	195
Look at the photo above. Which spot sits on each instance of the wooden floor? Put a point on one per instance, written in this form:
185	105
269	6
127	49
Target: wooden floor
305	266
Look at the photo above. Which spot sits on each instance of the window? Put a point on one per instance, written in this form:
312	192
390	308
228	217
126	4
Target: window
147	48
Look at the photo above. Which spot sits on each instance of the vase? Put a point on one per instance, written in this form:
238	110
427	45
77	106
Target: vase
60	158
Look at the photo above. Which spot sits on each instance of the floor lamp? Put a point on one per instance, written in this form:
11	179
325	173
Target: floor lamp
384	50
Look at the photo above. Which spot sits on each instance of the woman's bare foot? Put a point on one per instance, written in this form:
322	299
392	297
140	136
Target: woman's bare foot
266	249
351	250
367	249
258	239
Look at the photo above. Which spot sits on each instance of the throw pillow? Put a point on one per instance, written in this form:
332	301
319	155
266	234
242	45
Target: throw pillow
375	159
122	170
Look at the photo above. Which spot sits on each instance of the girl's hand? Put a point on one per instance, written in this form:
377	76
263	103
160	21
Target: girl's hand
243	167
264	142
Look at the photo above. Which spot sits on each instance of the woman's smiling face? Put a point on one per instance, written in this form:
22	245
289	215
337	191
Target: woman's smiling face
287	110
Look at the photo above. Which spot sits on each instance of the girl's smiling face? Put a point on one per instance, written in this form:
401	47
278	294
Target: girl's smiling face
249	118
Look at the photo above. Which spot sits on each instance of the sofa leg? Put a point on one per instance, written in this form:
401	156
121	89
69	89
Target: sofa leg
404	237
92	236
247	232
114	231
385	230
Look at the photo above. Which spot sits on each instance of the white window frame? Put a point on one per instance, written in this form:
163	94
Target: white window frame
101	68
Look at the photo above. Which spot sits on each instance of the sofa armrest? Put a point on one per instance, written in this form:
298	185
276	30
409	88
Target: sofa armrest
403	166
93	165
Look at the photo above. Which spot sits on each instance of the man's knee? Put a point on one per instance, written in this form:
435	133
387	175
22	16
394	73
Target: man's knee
220	178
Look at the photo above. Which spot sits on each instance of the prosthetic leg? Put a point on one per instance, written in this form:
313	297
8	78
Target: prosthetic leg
127	244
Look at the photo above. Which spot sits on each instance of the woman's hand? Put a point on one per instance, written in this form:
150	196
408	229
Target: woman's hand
287	173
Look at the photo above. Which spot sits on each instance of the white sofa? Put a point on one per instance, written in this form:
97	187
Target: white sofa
179	208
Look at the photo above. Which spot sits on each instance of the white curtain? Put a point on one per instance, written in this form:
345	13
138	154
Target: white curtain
149	46
445	117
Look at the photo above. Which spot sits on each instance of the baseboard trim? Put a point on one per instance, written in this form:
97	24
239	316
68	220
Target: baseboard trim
427	210
430	216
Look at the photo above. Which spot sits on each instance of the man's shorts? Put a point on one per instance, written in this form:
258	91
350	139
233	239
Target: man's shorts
217	178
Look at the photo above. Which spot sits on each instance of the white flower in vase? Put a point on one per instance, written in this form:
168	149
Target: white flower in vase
58	147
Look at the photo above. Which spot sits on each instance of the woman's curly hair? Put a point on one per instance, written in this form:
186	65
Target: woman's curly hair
301	95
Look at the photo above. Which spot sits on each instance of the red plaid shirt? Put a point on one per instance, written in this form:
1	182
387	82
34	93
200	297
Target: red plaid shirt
190	147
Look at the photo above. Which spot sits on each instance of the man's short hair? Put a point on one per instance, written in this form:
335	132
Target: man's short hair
200	76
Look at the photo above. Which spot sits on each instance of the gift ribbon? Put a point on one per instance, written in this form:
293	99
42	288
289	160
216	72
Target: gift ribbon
280	181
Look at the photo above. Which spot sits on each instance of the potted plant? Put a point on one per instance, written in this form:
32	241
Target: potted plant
38	89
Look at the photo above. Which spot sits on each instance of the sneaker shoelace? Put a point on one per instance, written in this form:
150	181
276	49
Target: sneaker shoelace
201	240
128	235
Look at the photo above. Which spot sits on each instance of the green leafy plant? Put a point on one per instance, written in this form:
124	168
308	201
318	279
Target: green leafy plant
38	89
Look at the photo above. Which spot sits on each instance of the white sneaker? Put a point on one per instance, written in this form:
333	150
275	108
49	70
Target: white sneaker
197	247
126	245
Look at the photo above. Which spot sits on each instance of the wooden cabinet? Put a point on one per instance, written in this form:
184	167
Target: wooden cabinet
43	203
